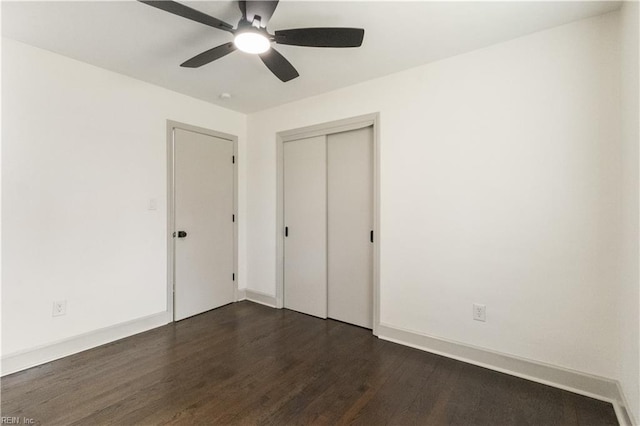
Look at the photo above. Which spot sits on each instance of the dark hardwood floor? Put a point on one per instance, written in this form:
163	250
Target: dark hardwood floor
249	364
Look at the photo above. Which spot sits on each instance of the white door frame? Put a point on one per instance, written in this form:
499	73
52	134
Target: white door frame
319	130
171	126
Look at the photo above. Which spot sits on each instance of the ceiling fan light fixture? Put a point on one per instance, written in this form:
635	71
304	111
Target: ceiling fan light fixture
252	42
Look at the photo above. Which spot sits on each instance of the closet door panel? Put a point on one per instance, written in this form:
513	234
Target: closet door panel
305	218
350	221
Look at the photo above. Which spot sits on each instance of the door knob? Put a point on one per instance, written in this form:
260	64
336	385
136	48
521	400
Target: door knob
181	234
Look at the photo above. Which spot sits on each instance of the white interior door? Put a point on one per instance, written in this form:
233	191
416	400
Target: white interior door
203	191
350	225
305	218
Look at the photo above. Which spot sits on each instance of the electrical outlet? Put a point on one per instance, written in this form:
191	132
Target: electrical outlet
59	308
479	312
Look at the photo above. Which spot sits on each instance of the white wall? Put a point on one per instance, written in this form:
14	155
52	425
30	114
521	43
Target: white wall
629	294
83	151
500	185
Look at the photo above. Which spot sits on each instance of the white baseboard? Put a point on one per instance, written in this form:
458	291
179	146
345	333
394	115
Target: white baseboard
592	386
22	360
241	294
261	298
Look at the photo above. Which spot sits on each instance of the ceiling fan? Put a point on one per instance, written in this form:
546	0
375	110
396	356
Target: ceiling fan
251	35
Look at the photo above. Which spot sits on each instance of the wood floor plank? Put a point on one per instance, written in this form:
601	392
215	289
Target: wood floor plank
247	364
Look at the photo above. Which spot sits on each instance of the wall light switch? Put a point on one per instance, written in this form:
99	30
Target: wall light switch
153	204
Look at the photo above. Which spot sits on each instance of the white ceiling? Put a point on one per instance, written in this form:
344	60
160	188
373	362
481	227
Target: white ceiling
143	42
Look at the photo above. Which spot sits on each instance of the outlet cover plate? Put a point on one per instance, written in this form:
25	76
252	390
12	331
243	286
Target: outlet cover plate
59	308
479	312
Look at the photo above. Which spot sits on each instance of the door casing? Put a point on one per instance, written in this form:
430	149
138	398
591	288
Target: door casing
319	130
171	126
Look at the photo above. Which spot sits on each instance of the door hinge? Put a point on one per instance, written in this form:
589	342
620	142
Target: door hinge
233	159
233	276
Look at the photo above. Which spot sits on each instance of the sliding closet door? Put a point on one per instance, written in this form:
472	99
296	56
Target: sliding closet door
305	218
350	222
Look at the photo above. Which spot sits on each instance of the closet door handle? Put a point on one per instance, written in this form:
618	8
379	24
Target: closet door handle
286	231
371	236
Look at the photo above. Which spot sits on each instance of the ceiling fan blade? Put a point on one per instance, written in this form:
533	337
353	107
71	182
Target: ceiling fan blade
321	37
279	65
189	13
210	55
262	8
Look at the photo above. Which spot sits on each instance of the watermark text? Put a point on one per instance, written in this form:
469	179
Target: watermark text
16	420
